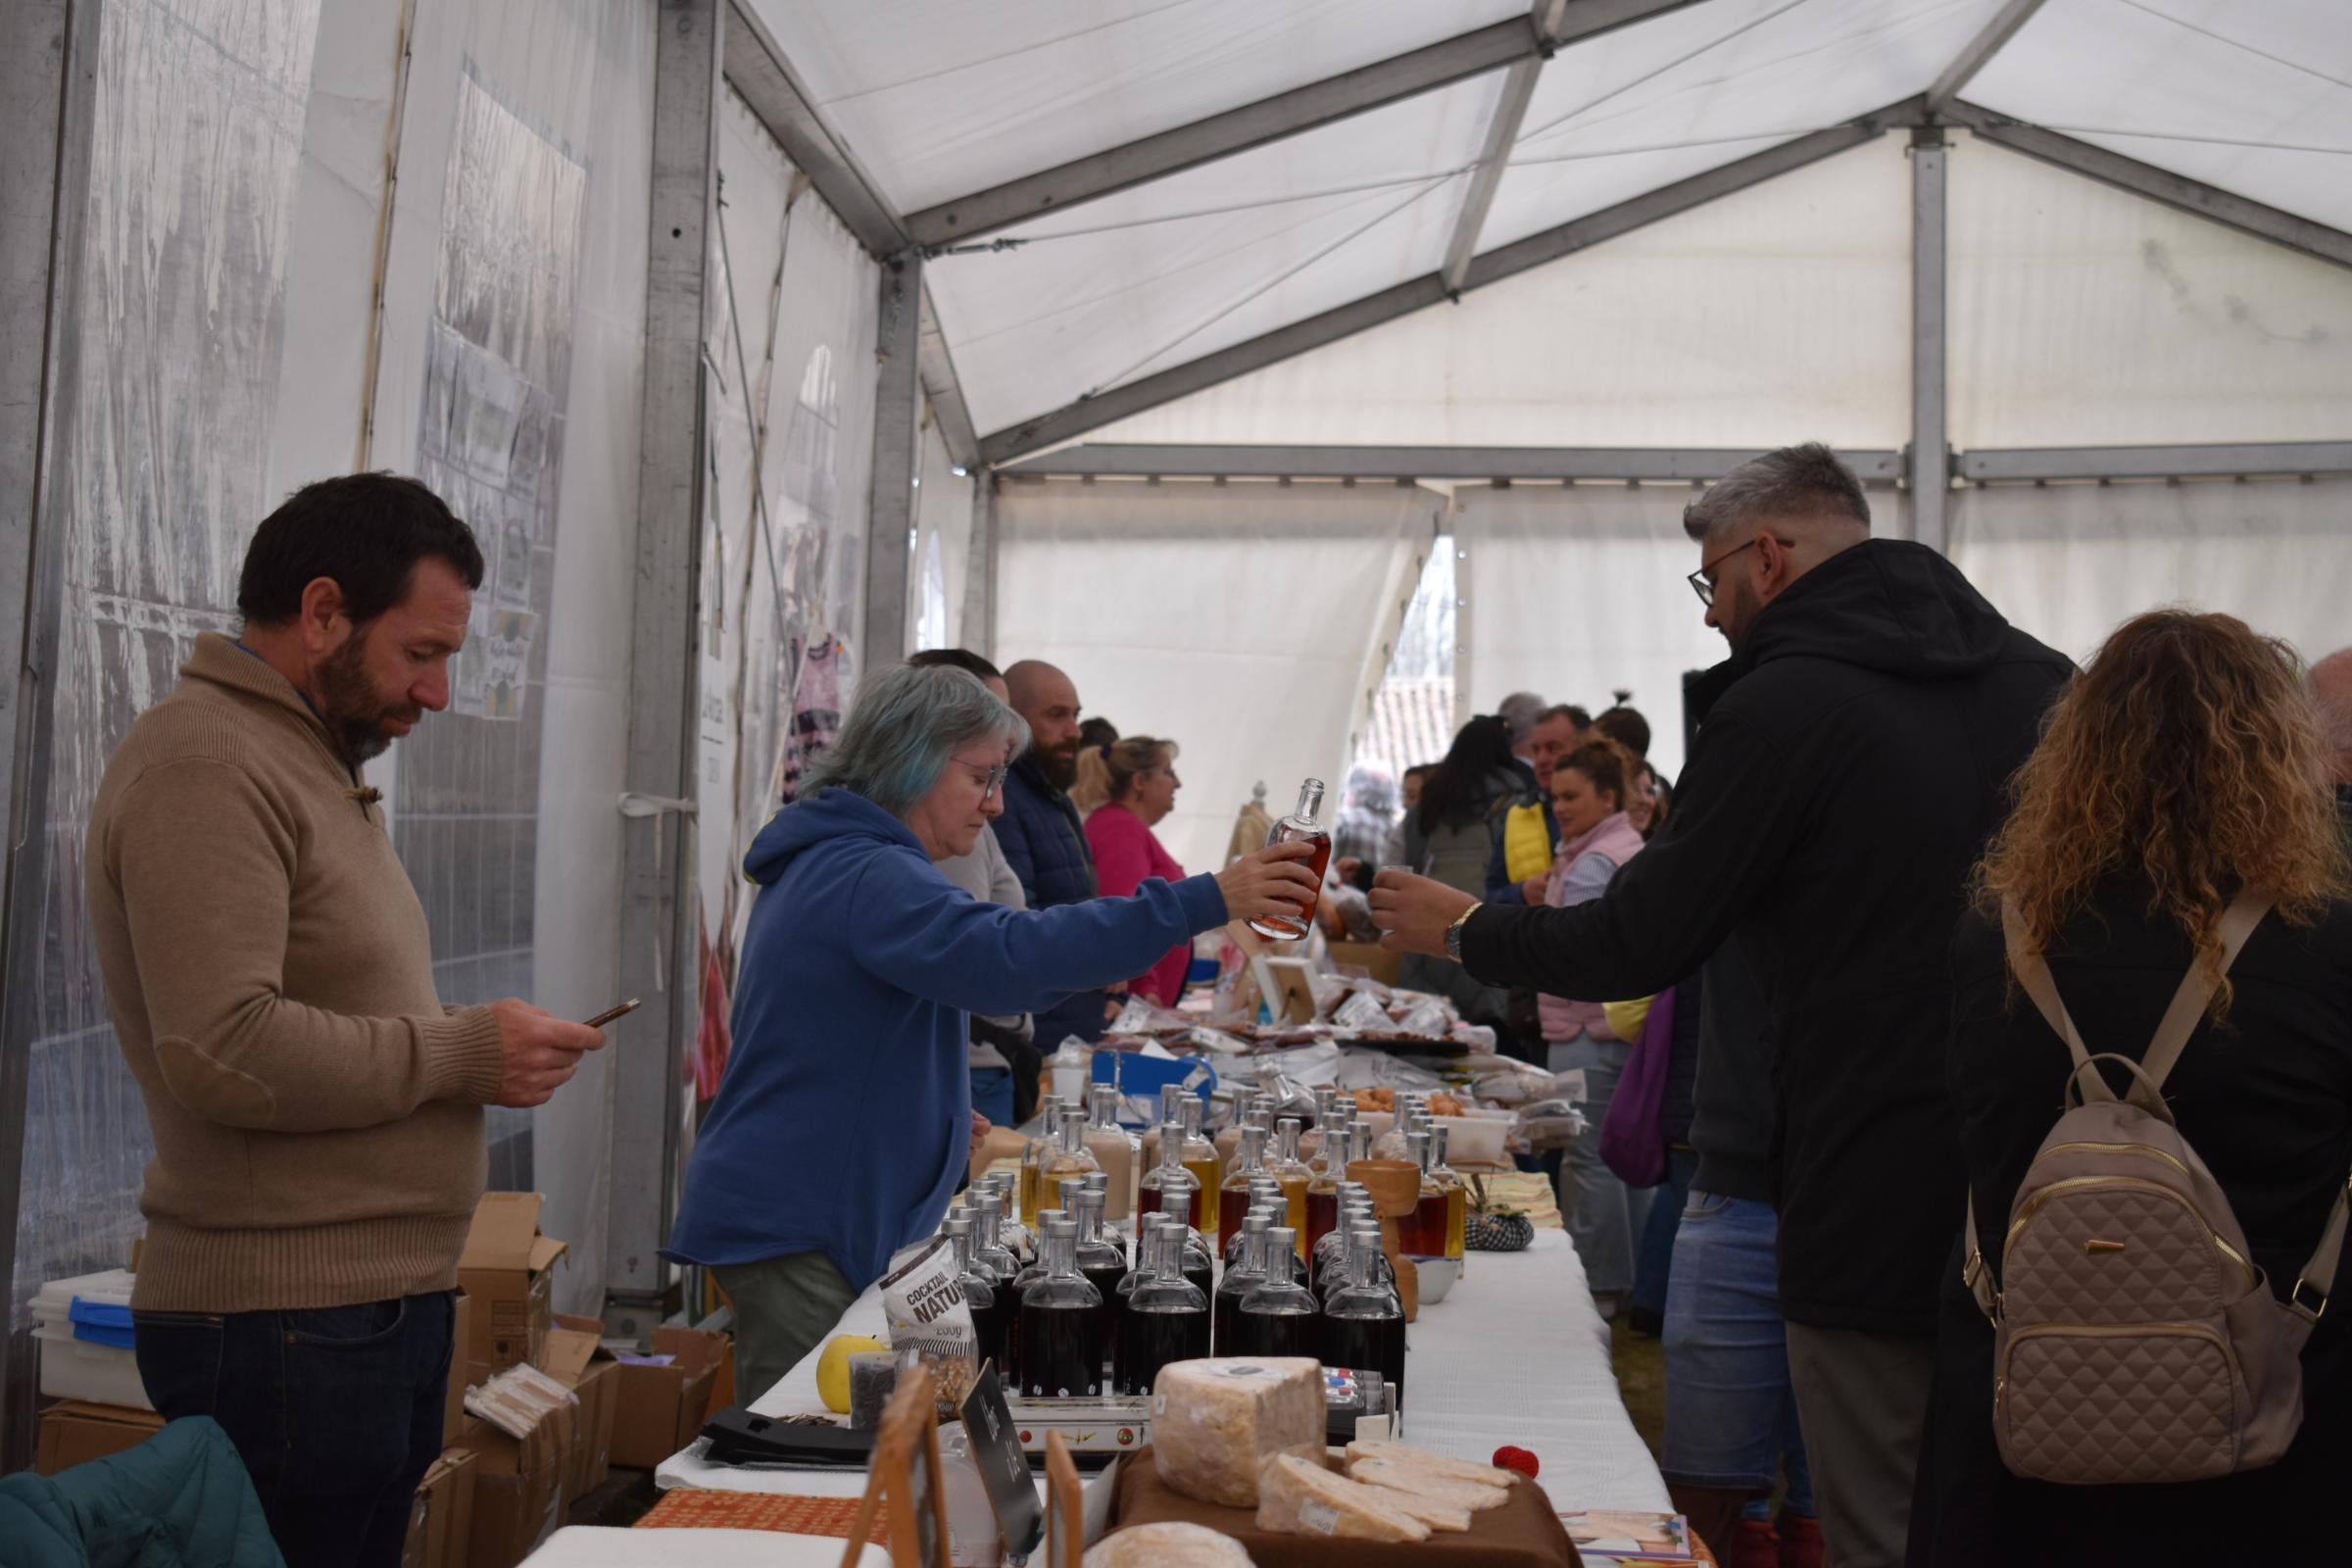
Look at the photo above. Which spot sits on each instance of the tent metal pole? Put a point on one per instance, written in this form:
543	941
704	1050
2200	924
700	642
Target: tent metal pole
1494	154
660	909
756	69
945	391
1979	52
1508	261
890	502
1930	463
980	578
48	90
1270	119
1531	465
2192	196
2217	460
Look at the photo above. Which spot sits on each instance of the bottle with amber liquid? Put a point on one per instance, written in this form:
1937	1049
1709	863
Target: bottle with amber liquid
1457	1193
1299	825
1341	1148
1249	1166
1200	1158
1169	1188
1033	1158
1291	1173
1422	1233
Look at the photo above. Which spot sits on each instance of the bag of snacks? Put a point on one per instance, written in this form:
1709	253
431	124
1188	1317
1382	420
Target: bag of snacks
923	1302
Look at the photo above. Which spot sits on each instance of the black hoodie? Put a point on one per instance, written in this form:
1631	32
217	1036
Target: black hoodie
1851	760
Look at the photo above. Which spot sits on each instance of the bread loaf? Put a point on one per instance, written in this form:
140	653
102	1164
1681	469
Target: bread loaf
1215	1423
1167	1546
1299	1498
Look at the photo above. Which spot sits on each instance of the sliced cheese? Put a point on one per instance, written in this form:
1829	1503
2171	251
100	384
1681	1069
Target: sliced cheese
1422	1459
1215	1423
1434	1512
1468	1496
1167	1546
1299	1498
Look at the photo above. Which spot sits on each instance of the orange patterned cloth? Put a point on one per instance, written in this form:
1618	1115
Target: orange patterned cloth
691	1510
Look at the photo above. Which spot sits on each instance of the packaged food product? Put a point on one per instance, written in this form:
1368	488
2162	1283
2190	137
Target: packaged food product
922	1300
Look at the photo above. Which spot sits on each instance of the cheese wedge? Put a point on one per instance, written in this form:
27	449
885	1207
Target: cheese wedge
1422	1459
1215	1423
1299	1497
1167	1546
1431	1511
1467	1495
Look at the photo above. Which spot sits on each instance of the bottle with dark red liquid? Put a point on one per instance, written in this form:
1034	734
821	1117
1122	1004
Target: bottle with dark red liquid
1101	1264
1298	825
1233	1202
1278	1316
1062	1323
1239	1277
1364	1320
1166	1319
990	1303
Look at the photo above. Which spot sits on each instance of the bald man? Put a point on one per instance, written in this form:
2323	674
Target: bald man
1848	769
1039	832
2331	694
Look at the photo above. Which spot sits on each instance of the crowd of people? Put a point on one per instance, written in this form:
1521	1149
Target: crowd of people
1898	811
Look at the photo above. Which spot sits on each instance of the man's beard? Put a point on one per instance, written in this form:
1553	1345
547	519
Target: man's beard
347	706
1060	767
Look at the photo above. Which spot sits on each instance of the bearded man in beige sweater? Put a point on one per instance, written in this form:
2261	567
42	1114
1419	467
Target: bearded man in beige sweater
317	1112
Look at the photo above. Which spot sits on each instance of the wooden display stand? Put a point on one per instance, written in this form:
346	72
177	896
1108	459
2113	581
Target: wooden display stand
1065	1533
905	1486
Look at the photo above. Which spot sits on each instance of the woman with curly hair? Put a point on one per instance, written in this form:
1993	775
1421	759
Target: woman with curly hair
2182	766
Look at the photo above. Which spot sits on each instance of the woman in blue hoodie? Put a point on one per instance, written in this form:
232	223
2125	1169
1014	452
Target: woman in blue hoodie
841	1127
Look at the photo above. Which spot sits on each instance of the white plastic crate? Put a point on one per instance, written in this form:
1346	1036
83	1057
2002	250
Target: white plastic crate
77	1367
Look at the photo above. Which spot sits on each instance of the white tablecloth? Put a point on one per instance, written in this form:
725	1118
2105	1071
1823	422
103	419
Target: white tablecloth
584	1547
1515	1353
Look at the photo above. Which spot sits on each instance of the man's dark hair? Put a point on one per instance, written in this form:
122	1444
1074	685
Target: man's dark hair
1801	481
1626	727
1095	732
962	659
1569	712
367	532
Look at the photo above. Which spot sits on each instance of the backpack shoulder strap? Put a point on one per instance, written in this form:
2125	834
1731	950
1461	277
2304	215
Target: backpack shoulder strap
2309	1298
2032	971
2187	1010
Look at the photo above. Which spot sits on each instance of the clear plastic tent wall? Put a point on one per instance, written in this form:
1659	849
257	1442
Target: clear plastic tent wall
226	321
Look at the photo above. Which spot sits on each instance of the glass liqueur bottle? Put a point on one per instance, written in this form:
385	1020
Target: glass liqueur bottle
1062	1323
1457	1194
1422	1233
1292	1175
1033	1158
1277	1315
1165	1318
992	1309
1233	1200
987	1252
1364	1321
1069	1160
1323	1193
1117	1154
1169	1187
1102	1265
1298	825
1200	1158
1239	1278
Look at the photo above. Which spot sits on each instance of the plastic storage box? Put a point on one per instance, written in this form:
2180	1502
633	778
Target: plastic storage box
84	1327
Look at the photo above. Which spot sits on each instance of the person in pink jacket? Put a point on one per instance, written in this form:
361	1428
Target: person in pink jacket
1591	789
1127	787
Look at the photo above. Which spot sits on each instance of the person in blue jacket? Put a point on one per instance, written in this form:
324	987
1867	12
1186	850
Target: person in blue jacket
842	1125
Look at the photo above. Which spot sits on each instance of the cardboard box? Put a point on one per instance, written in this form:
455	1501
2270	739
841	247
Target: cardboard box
441	1520
460	1361
518	1486
75	1430
577	1359
1370	957
508	1271
662	1407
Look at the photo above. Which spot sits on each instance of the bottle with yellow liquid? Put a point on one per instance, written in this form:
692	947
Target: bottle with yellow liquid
1069	1162
1292	1172
1034	1157
1457	1194
1200	1158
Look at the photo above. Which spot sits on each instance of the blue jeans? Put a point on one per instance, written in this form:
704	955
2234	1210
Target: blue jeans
336	1411
1655	1264
992	1095
1731	1410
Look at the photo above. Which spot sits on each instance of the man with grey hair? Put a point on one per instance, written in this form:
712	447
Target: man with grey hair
1849	764
1520	710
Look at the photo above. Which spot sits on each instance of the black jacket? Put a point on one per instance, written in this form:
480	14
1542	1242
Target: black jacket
2265	1098
1730	1103
1851	760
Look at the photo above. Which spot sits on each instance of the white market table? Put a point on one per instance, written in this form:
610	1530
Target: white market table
1515	1353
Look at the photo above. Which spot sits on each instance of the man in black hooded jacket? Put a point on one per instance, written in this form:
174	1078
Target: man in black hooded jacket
1851	760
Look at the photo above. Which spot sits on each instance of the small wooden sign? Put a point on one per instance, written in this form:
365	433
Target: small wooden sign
996	1443
904	1485
1066	1505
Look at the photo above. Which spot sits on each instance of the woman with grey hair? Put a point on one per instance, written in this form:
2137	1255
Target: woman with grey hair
839	1127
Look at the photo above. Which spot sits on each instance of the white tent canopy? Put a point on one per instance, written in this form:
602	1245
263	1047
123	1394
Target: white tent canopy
1184	342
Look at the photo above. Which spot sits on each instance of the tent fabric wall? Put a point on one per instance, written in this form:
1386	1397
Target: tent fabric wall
2069	563
1778	314
1243	621
942	514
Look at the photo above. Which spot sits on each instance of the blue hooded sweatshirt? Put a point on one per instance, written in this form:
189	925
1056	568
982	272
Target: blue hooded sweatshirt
843	1123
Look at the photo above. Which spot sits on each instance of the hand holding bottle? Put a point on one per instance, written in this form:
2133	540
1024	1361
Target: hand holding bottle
1274	881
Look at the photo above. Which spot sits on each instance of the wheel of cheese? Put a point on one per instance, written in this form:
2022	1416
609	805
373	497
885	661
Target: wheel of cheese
1299	1498
1167	1546
1215	1423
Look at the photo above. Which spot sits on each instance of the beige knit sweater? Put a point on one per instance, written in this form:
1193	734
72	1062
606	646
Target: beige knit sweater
317	1113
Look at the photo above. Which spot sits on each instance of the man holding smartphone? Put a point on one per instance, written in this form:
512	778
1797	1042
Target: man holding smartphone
317	1112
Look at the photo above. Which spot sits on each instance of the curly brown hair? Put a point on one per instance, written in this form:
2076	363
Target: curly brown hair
2188	757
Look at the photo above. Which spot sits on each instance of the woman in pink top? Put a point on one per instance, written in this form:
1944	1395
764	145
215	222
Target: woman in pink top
1591	789
1131	784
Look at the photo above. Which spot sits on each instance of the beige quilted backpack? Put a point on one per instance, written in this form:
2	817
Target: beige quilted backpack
2134	1340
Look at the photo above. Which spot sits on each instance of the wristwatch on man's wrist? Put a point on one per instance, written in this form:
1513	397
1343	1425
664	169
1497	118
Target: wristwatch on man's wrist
1453	933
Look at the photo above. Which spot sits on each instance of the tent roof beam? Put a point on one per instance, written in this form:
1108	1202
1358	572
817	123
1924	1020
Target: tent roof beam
1979	52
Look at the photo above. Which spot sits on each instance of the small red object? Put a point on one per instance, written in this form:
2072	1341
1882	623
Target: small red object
1527	1464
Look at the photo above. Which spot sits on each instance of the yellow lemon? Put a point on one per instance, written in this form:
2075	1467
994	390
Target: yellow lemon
833	1368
